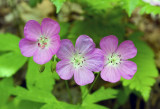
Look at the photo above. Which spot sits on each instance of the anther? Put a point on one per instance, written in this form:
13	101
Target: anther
39	45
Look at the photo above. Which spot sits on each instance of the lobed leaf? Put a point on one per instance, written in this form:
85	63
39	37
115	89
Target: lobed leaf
146	73
100	95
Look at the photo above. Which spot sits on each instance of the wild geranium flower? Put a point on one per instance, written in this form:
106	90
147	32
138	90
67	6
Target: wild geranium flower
116	63
80	61
153	2
41	41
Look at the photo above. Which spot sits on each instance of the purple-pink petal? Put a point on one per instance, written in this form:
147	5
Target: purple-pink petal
54	44
32	30
83	76
111	74
66	49
49	27
109	44
27	47
84	44
64	69
127	69
95	60
127	50
42	56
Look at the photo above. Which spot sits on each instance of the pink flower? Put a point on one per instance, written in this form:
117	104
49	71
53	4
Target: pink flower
41	41
153	2
116	63
80	61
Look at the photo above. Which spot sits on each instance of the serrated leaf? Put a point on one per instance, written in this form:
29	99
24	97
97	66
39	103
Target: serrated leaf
10	63
100	95
41	80
144	78
63	105
130	5
34	95
148	9
58	4
59	105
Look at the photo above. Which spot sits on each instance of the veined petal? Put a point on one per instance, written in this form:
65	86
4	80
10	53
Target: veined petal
83	76
64	69
111	74
49	27
84	44
42	56
95	60
127	50
127	69
66	49
109	44
27	47
32	30
54	44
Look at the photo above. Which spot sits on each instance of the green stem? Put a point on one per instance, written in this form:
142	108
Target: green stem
68	90
91	87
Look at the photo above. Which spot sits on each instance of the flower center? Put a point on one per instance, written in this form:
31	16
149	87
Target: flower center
114	59
78	60
42	42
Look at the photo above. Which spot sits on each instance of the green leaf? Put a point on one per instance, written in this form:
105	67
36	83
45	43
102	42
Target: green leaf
10	60
146	73
41	80
59	105
93	106
63	105
130	5
23	104
34	95
58	4
100	95
10	63
4	93
148	9
9	42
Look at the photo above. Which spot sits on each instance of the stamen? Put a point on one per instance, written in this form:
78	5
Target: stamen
42	42
39	45
78	60
114	59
